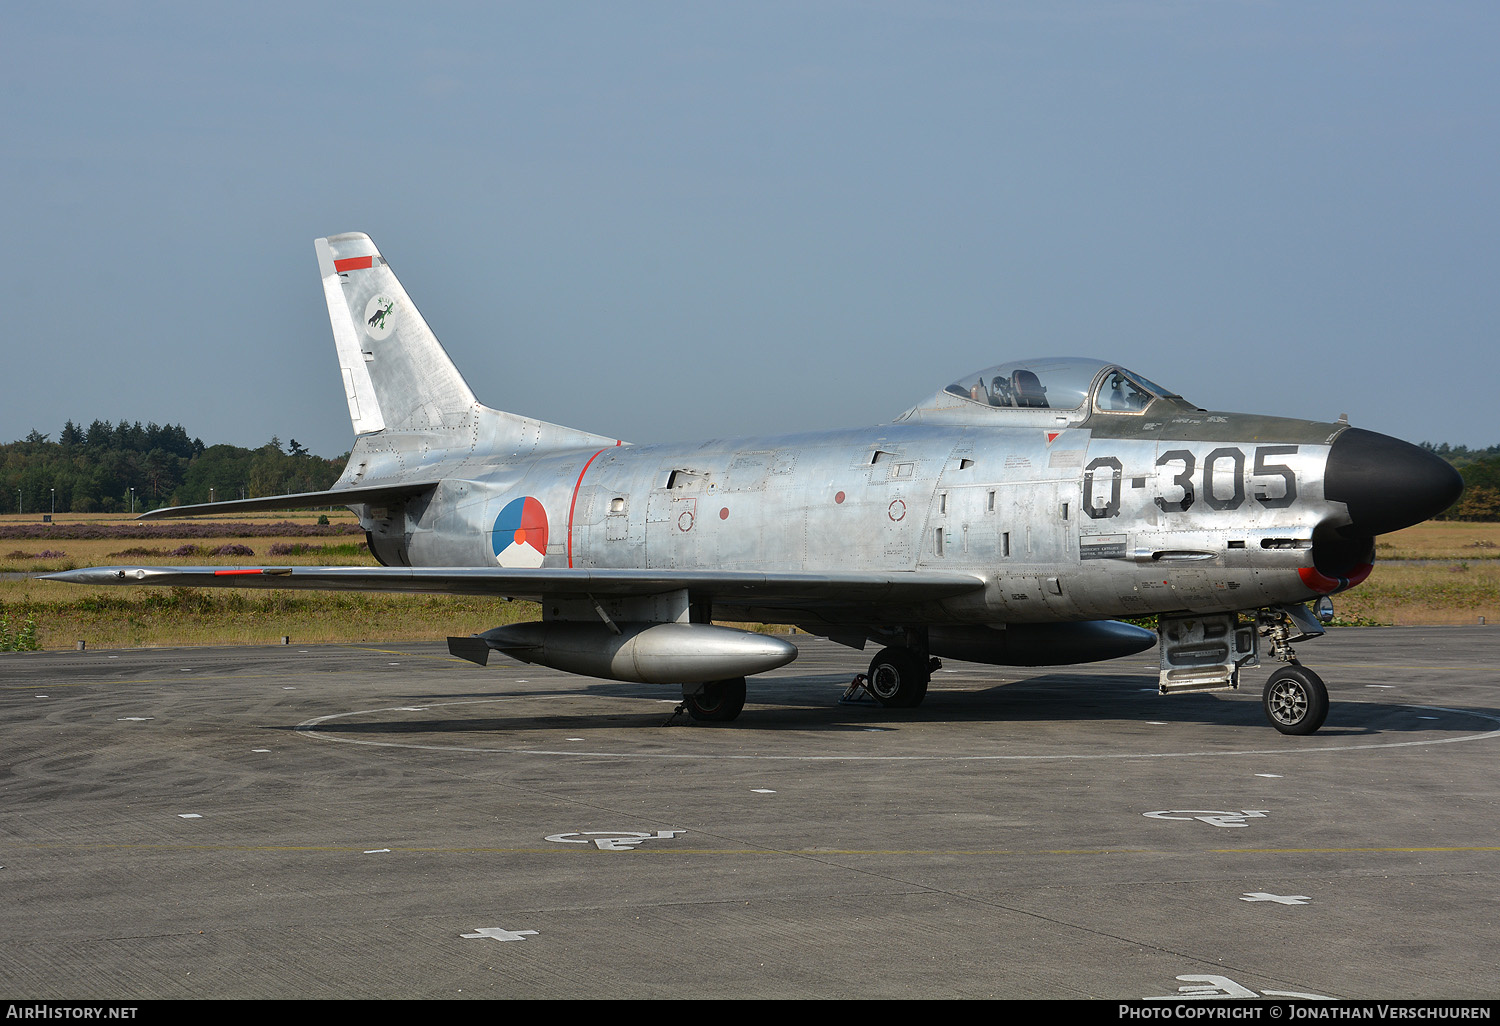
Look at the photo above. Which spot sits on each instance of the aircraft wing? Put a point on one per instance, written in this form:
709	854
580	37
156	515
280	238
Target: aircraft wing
733	588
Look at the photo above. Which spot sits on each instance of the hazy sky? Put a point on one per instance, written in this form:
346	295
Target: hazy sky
675	220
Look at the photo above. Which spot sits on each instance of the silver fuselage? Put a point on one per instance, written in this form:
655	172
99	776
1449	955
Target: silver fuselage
1064	515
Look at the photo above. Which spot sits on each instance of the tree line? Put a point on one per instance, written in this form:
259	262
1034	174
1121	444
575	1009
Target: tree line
1481	473
112	468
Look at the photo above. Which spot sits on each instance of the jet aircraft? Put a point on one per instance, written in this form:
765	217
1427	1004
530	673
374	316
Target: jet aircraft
1008	518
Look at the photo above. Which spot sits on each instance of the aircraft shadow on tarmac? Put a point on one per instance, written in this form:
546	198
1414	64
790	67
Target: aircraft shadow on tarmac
811	703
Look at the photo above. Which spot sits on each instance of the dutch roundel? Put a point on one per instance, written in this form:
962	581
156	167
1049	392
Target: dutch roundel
520	537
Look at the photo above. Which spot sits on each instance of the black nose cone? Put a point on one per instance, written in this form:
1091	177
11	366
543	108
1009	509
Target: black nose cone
1387	484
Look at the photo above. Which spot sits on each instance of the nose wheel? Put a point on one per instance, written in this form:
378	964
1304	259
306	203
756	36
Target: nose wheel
1295	700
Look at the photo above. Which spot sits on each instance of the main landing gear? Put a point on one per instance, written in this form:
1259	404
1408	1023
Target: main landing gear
716	701
898	677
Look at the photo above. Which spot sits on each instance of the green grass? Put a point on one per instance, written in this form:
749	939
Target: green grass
146	617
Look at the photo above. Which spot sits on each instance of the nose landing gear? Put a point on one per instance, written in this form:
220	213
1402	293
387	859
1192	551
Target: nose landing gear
1205	652
1295	700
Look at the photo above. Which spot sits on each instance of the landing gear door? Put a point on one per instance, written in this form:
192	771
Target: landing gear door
1204	653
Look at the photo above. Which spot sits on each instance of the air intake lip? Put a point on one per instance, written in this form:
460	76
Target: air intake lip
1387	484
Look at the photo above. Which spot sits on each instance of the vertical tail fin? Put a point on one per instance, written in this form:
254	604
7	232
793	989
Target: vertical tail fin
396	373
398	377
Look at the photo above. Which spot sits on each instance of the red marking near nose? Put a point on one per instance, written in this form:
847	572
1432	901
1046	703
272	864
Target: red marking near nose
1323	584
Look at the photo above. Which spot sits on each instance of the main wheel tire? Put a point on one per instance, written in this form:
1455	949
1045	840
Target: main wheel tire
898	679
718	702
1295	700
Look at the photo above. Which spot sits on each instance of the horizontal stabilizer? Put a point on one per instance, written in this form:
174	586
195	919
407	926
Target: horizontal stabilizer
375	494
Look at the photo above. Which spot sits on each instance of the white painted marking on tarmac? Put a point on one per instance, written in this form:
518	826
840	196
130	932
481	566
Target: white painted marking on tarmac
260	750
320	728
1272	776
1210	986
42	696
1206	986
1218	819
1280	899
288	688
188	815
411	708
761	790
377	851
1157	723
135	719
613	840
1386	686
572	739
496	933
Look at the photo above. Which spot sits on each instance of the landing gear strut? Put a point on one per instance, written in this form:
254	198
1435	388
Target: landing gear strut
716	701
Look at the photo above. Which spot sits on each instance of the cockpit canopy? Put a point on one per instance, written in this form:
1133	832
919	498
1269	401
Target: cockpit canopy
1060	384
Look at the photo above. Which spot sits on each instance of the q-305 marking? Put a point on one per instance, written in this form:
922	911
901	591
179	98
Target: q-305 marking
1182	481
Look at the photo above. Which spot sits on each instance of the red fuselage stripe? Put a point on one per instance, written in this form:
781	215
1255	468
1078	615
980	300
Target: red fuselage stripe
574	502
